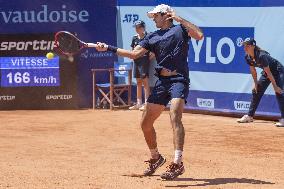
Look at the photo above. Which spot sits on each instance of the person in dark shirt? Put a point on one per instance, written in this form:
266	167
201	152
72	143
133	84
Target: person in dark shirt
273	72
170	44
141	66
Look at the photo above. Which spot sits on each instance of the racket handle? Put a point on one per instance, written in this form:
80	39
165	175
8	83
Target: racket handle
92	45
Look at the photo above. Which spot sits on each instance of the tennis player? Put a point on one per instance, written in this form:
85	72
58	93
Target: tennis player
170	46
273	72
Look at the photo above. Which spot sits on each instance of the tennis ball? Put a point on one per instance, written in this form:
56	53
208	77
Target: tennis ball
50	55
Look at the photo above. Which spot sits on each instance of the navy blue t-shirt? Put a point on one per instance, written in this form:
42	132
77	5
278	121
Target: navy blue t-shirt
170	47
262	60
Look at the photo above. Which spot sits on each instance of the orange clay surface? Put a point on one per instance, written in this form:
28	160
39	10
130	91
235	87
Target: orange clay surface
106	149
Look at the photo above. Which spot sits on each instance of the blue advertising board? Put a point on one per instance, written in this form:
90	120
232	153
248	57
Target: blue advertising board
220	78
28	80
84	18
221	50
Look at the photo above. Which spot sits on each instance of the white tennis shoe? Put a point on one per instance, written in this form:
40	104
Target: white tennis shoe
245	119
280	123
142	107
135	107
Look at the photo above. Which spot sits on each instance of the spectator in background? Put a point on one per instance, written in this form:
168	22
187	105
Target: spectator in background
141	66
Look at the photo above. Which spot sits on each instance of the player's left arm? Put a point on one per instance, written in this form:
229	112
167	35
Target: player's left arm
192	30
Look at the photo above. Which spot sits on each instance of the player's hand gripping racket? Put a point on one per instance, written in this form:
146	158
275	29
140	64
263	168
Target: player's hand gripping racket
69	44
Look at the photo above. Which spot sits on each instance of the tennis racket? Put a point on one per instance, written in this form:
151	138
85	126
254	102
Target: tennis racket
69	44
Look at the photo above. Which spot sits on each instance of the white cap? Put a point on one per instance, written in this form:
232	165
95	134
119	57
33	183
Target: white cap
162	8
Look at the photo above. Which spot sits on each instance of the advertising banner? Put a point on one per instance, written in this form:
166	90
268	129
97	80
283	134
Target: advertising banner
91	20
31	81
220	77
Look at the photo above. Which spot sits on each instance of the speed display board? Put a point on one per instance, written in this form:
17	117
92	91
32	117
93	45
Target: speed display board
29	71
31	81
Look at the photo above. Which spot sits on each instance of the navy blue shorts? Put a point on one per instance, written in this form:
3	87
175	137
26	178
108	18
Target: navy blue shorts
167	88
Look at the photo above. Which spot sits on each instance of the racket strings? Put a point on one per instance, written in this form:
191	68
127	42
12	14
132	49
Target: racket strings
68	43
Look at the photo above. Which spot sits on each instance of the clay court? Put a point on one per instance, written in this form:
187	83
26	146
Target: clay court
106	149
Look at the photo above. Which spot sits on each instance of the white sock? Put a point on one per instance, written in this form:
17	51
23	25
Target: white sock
139	101
154	153
178	156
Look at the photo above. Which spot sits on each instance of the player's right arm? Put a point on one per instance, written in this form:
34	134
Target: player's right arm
254	76
137	52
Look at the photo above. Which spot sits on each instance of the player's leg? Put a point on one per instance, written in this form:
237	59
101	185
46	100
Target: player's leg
179	92
262	85
279	79
151	113
176	110
156	103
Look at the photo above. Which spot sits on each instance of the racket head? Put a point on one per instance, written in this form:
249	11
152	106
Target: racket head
67	43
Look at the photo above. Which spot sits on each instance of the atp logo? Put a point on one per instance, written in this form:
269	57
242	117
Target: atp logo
130	18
